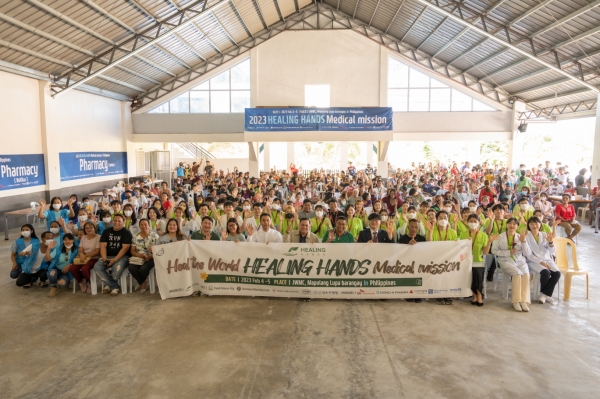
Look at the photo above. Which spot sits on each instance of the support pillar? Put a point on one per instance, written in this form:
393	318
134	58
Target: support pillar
382	158
344	156
267	157
596	154
291	154
253	159
515	145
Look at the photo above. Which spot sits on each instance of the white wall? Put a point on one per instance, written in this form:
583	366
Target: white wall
219	164
20	128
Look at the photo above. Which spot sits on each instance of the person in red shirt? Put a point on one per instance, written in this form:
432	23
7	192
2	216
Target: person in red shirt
565	217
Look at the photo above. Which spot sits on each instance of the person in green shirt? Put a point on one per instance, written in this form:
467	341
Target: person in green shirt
290	220
495	222
437	226
205	232
361	212
355	225
545	227
461	225
319	225
340	234
480	245
523	211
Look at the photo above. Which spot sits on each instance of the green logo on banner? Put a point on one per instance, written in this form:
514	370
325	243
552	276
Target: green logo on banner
291	252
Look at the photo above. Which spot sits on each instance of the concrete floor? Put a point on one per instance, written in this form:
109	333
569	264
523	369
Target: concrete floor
137	346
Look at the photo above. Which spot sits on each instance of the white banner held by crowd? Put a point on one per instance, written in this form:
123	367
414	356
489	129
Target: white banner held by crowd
350	271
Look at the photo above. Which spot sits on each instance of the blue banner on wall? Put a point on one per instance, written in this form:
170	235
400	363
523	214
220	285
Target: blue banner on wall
82	165
314	119
19	171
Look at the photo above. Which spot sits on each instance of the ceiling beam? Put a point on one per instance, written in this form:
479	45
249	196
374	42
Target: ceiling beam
155	65
189	46
433	32
491	36
414	23
567	18
144	10
172	3
552	83
580	36
355	8
529	12
523	77
121	83
231	39
172	56
205	37
488	58
121	52
239	15
494	6
558	95
393	18
451	42
135	73
376	7
108	15
508	66
36	54
260	14
276	2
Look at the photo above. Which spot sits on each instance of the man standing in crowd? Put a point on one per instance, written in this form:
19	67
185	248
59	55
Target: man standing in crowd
114	249
411	238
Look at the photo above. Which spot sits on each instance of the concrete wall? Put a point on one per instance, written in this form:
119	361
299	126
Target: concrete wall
219	164
356	70
32	122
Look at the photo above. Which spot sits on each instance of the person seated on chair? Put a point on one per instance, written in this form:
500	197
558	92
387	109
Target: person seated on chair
540	259
412	237
88	251
565	217
545	206
206	230
511	249
595	197
60	258
374	234
302	235
114	249
546	227
141	247
480	247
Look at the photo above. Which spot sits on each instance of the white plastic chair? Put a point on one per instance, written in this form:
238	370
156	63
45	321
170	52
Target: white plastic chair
93	283
151	282
35	208
505	280
94	205
122	282
536	288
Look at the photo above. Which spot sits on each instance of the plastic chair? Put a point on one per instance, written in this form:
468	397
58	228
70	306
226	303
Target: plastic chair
122	282
94	205
562	261
560	232
505	280
151	282
35	208
93	283
583	212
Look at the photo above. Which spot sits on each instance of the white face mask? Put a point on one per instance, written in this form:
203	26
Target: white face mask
411	215
69	246
83	218
275	206
472	209
56	206
524	207
128	213
54	230
442	222
221	207
26	233
319	214
48	242
107	220
246	207
448	209
473	225
384	218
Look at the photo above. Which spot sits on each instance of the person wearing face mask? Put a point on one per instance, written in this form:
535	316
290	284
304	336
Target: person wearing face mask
545	206
82	219
511	250
55	213
438	229
21	248
523	211
130	219
105	221
58	229
34	266
411	213
480	246
60	259
320	224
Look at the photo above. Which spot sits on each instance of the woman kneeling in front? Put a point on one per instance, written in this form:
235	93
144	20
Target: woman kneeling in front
510	249
540	260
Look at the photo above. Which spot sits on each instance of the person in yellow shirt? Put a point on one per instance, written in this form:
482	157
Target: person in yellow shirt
320	225
461	225
354	224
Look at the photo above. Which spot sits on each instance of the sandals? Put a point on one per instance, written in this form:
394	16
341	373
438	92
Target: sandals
43	283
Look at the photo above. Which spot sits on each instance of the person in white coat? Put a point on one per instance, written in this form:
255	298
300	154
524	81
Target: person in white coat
511	249
540	259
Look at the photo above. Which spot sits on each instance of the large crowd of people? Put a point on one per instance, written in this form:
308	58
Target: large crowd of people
507	213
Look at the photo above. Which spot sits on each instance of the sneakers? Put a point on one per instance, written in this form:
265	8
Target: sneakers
106	289
53	292
542	298
517	307
524	307
440	301
114	292
143	290
418	300
549	299
448	301
44	283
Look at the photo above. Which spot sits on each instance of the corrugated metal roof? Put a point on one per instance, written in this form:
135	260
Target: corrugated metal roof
49	35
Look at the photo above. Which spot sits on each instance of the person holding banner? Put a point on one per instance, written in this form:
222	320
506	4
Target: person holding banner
55	212
141	248
233	232
340	234
411	238
265	234
303	235
512	250
374	234
206	230
438	229
480	246
114	249
355	224
320	225
173	233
